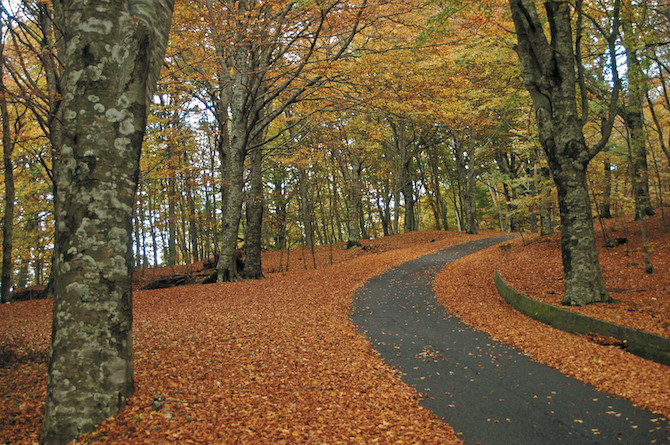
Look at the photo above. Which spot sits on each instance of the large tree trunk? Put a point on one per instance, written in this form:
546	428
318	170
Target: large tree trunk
578	241
549	75
114	55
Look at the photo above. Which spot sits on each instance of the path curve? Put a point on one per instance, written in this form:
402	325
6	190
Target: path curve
489	392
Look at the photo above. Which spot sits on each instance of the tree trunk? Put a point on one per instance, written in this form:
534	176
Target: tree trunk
549	75
280	214
114	55
7	149
435	174
470	203
52	45
351	168
227	265
546	204
403	159
306	206
354	194
467	185
253	268
606	207
172	213
578	241
193	229
384	215
361	218
633	116
408	195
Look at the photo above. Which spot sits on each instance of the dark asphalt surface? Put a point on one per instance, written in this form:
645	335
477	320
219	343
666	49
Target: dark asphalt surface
490	392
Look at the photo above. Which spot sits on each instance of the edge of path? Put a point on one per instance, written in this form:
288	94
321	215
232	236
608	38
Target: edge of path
449	374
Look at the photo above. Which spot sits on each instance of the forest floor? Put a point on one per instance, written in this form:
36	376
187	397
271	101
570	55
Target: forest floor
279	361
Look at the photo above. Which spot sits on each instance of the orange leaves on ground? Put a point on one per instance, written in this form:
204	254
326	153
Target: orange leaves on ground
643	300
466	288
272	361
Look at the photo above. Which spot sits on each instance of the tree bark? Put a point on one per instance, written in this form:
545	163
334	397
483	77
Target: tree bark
10	194
113	58
403	159
227	265
193	227
549	75
546	203
467	185
351	168
306	206
633	116
433	161
606	207
253	268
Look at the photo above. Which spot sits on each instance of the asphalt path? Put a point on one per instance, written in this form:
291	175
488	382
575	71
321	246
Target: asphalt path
489	392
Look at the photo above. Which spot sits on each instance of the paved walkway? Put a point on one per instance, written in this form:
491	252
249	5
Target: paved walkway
490	392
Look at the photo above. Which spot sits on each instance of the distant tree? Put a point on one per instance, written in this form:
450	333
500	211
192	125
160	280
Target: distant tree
113	56
7	149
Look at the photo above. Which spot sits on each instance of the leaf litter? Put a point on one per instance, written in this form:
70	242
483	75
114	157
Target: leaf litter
278	360
271	361
533	267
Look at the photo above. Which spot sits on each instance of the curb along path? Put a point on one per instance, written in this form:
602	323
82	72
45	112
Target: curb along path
489	392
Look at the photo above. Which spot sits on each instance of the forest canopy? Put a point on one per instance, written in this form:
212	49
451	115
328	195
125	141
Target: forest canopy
280	124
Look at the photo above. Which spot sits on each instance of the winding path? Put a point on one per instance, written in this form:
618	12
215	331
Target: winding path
491	393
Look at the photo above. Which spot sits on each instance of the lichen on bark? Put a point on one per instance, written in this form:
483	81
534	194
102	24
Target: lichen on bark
111	62
551	72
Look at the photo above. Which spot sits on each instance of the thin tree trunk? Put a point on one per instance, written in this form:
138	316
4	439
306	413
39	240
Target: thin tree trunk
10	194
172	214
253	268
606	208
306	206
193	229
633	116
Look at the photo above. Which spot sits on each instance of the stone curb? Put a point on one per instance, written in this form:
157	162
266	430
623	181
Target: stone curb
649	346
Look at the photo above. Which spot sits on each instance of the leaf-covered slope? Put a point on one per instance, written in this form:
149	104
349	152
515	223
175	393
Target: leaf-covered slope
535	270
272	361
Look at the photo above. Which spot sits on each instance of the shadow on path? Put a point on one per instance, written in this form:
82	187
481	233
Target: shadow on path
489	392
